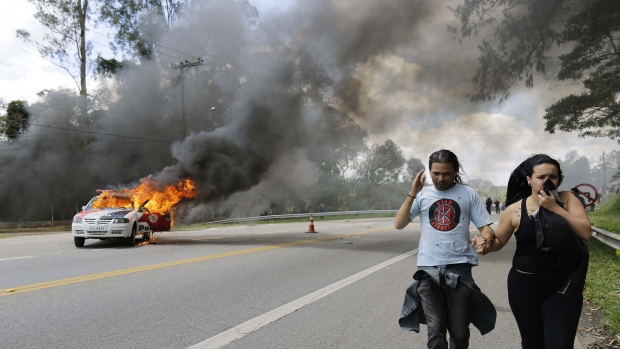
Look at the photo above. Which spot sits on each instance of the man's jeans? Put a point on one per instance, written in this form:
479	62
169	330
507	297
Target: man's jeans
446	308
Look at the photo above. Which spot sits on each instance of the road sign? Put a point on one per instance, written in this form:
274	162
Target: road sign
589	193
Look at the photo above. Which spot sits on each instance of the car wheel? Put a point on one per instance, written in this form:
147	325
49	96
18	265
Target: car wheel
131	241
78	241
146	237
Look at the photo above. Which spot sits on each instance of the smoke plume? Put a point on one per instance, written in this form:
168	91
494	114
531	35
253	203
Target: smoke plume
280	99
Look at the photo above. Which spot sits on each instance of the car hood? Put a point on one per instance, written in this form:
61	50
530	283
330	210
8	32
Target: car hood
110	212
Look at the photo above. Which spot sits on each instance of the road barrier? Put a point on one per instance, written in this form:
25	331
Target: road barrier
608	238
302	215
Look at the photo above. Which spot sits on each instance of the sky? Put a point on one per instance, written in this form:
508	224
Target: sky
410	93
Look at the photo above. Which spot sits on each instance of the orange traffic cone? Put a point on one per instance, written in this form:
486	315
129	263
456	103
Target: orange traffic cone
311	227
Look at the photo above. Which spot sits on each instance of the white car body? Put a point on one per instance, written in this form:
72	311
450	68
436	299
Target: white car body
114	222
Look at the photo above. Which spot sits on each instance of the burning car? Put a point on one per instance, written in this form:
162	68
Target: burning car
125	213
109	219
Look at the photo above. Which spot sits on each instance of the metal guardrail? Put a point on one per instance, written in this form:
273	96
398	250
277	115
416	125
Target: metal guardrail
301	215
608	238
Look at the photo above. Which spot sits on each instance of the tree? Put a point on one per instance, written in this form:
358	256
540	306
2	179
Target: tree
65	44
576	170
413	166
15	121
138	23
338	140
486	188
606	170
382	164
525	35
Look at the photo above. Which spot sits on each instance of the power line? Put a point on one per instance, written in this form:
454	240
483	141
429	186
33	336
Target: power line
14	66
60	146
170	48
22	5
102	134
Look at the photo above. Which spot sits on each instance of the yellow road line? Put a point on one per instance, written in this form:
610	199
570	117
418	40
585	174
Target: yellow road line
107	274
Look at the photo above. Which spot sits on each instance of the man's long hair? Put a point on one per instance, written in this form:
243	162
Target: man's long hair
445	156
517	184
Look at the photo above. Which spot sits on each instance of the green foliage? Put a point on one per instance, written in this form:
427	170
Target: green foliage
138	23
603	282
596	111
603	278
524	35
576	170
607	216
382	163
108	67
486	188
339	140
523	32
15	121
413	166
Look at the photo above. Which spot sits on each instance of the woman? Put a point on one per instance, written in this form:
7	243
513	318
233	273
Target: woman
545	284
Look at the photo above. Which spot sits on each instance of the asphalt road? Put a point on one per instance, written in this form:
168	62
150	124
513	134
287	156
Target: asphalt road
264	286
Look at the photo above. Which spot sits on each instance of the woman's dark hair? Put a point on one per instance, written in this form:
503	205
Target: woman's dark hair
517	184
445	156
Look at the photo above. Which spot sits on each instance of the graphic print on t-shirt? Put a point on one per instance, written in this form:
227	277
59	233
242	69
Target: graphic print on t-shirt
444	214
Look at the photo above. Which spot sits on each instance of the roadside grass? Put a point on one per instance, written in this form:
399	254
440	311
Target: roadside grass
603	283
603	278
608	216
12	232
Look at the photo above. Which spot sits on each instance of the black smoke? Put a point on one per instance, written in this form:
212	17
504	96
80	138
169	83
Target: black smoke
279	100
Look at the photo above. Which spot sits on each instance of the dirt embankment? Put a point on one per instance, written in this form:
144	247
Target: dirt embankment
591	334
22	228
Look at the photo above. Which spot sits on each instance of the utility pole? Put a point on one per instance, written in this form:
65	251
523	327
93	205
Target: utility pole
605	180
183	67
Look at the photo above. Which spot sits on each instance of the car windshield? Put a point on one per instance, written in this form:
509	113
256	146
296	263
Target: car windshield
95	204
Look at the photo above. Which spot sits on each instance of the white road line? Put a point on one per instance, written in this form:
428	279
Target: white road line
237	332
10	259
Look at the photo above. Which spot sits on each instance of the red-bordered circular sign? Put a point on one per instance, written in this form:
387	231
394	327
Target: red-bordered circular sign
588	192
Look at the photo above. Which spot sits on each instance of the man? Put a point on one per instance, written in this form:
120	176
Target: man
497	203
443	294
489	204
581	199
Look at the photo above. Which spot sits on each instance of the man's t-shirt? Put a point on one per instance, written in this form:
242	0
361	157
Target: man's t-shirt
444	219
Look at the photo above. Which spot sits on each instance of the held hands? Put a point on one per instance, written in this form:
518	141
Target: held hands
480	244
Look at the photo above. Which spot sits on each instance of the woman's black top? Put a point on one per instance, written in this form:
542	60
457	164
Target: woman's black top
527	257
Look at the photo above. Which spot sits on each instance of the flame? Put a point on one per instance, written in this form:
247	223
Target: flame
147	195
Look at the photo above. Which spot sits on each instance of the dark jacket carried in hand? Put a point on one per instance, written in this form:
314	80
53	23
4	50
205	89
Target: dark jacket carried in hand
573	255
412	314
